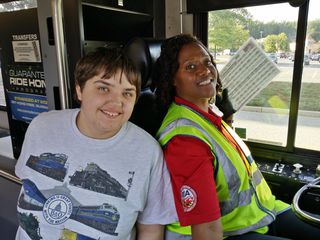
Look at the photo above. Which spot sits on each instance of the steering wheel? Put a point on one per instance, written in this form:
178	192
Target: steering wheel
306	202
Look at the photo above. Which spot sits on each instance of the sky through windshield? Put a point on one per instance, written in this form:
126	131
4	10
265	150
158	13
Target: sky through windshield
276	12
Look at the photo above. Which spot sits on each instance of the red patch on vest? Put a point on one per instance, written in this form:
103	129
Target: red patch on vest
188	198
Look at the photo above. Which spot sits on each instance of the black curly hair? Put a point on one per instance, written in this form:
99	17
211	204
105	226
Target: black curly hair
167	65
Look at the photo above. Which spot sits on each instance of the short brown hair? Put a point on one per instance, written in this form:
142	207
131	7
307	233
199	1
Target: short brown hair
107	60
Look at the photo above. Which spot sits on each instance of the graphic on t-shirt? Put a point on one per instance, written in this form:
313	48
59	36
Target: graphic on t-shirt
31	198
67	234
49	164
104	217
30	224
58	208
98	180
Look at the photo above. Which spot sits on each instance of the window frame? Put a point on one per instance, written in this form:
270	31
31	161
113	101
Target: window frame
289	153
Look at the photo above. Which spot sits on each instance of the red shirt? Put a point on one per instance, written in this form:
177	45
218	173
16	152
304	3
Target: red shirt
190	163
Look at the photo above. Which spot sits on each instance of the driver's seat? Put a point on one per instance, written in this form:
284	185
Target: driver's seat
144	53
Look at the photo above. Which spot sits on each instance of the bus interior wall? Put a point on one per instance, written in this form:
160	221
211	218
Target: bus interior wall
100	23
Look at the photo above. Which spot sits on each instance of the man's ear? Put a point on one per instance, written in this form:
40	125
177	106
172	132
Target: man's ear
79	93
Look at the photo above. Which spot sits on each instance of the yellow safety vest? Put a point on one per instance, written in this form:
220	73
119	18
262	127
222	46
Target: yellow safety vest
245	199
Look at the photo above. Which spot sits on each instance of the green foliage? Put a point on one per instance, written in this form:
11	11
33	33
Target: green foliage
224	24
273	27
228	29
314	29
275	43
270	43
277	94
283	43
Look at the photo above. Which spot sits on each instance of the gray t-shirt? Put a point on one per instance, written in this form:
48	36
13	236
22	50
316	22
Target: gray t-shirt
77	186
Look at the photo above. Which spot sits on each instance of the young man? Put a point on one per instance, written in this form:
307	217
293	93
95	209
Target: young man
88	173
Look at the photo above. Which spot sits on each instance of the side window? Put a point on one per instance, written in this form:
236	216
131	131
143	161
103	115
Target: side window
308	126
265	117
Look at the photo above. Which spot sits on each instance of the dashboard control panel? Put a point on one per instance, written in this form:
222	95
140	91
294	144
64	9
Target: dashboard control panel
295	172
285	178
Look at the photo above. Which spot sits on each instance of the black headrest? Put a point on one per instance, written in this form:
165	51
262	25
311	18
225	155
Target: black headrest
144	53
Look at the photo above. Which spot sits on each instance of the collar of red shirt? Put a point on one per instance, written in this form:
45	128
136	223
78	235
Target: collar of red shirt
210	115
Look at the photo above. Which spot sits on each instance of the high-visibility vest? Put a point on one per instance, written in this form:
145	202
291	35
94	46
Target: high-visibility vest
245	199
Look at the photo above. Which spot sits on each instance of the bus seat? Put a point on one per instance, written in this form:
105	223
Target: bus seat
144	53
9	192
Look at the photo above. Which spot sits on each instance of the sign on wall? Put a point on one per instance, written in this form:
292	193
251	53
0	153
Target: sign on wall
22	72
27	92
26	48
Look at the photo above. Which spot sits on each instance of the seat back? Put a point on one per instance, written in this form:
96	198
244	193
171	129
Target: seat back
9	192
144	53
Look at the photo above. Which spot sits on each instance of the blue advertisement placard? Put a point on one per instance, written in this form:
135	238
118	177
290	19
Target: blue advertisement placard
25	107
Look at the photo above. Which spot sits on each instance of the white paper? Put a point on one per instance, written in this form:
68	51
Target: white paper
248	72
26	51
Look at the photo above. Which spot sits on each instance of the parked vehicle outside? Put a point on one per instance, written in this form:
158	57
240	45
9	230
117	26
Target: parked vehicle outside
283	55
273	57
315	57
291	57
306	60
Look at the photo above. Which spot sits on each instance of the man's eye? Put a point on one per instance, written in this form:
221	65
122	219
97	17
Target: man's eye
128	94
103	89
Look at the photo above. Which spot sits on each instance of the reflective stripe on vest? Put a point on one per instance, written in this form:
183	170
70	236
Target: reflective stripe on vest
184	121
236	199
